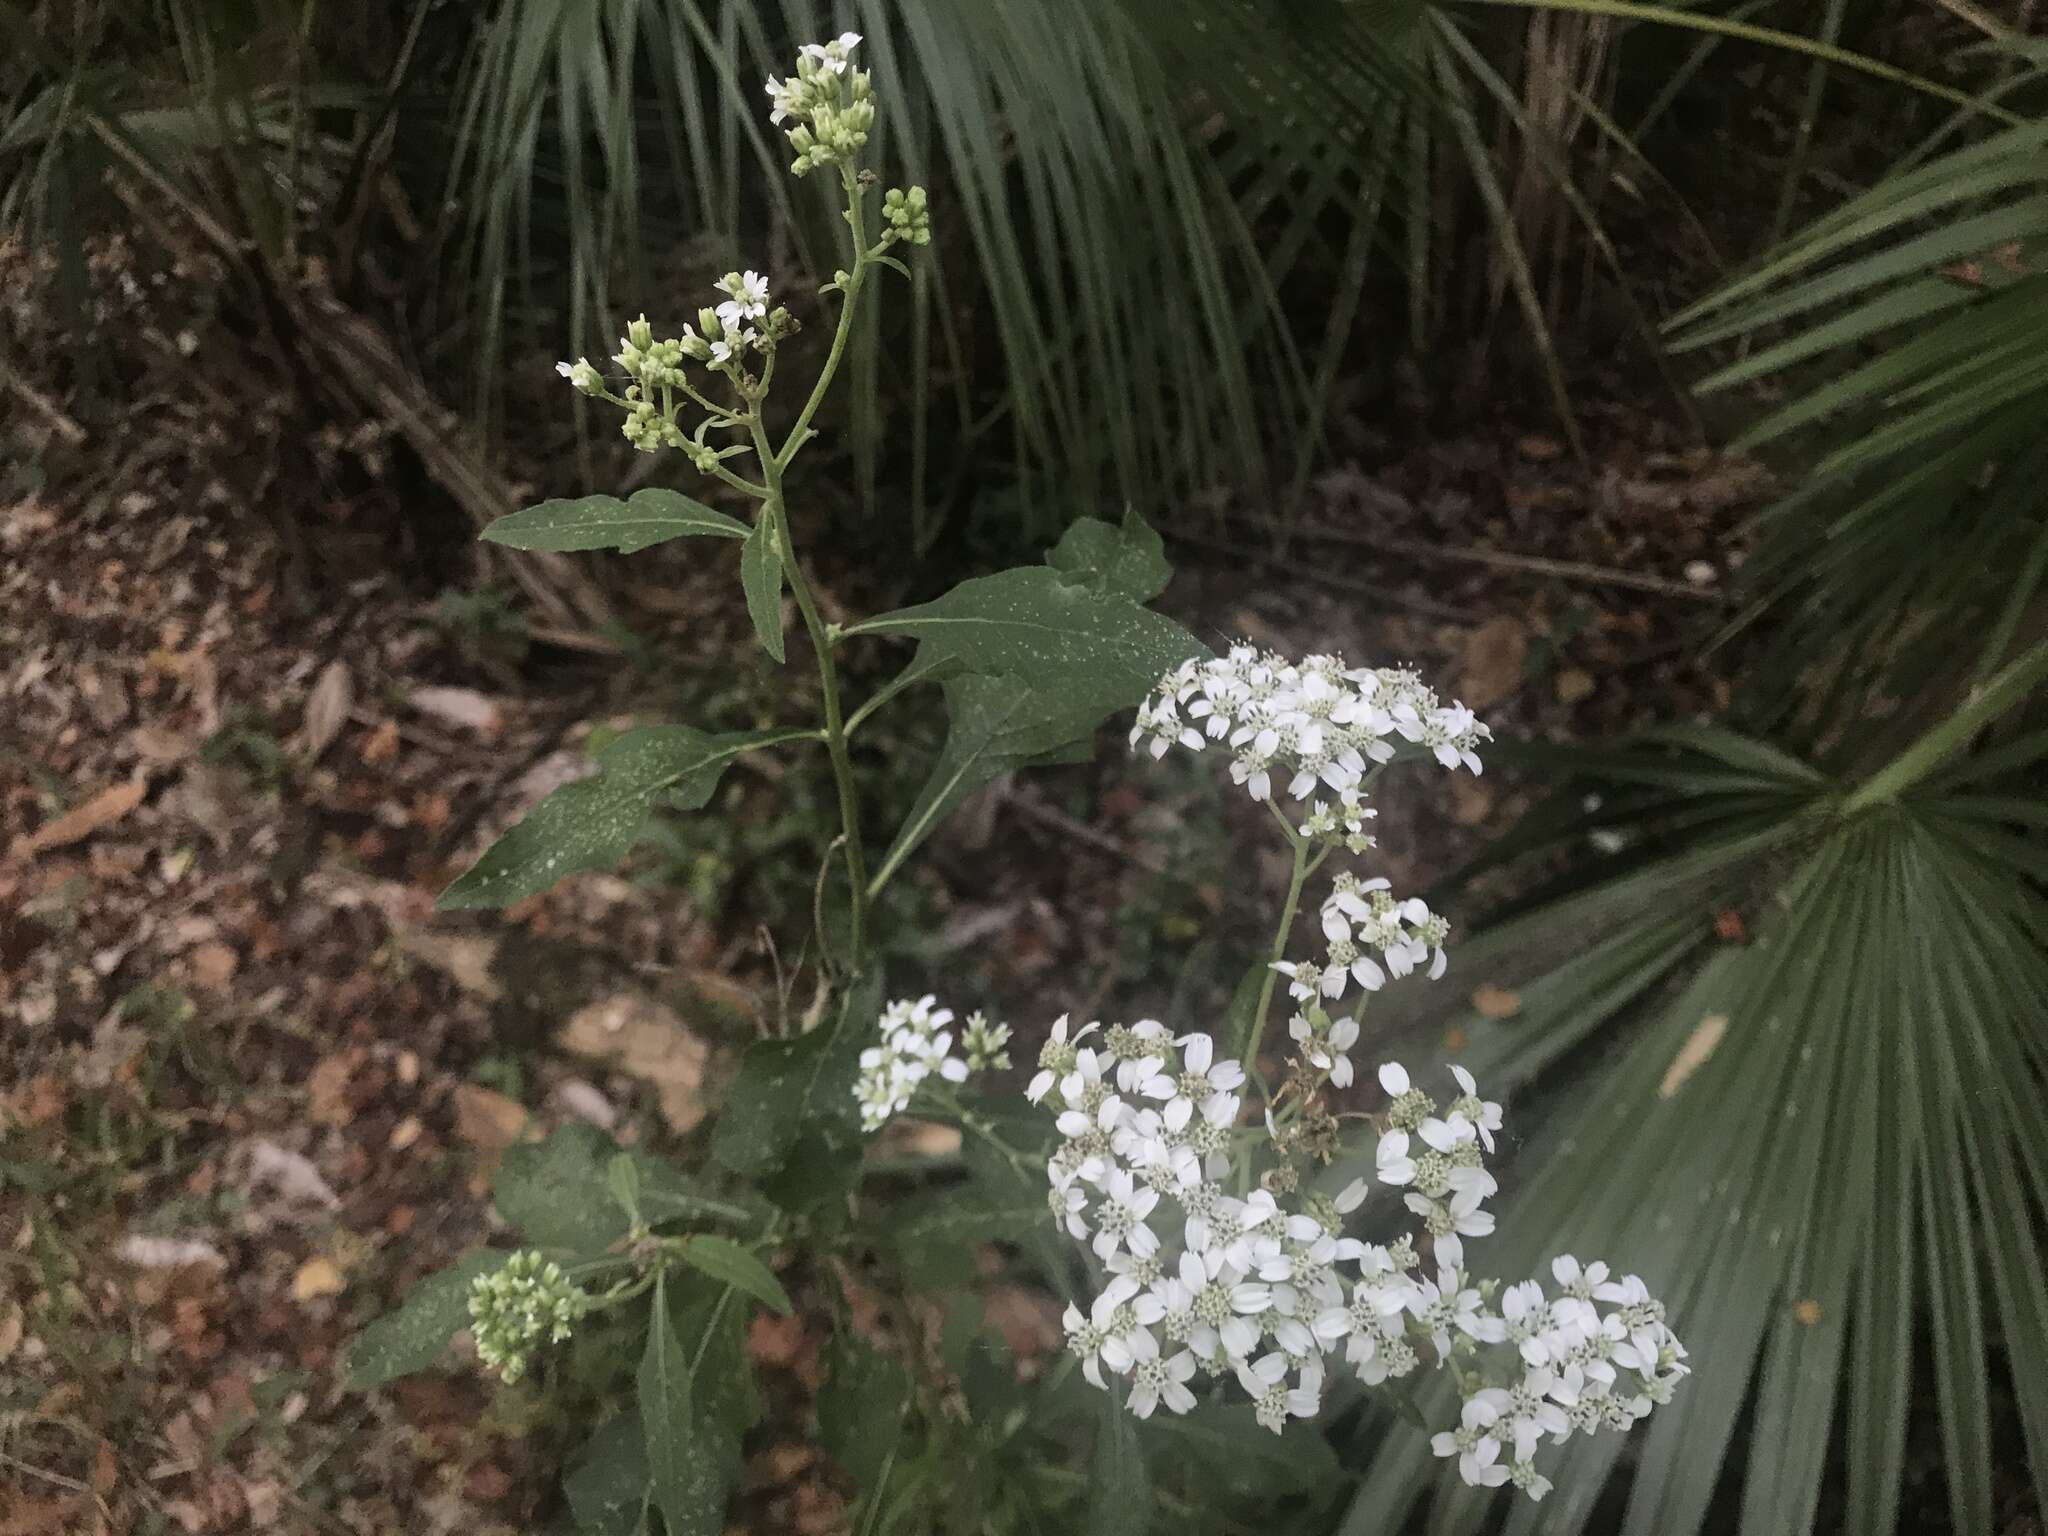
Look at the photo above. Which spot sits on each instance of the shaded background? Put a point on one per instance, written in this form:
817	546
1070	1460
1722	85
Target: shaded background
1670	391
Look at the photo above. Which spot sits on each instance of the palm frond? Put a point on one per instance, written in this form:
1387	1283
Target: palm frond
1817	1142
1928	495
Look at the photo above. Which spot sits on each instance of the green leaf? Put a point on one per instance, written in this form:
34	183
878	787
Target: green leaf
788	1087
724	1260
687	1486
644	519
1223	1446
934	1234
1128	562
564	1192
410	1337
622	1177
1120	1497
722	1377
557	1193
607	1488
861	1404
1095	647
761	579
995	725
594	822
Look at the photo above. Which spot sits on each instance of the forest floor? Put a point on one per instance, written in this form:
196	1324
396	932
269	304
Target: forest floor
252	1087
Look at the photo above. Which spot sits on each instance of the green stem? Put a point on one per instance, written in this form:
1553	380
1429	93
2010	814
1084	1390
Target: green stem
849	301
828	680
1304	865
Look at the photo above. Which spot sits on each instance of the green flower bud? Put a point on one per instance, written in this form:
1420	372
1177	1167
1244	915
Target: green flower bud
526	1303
640	334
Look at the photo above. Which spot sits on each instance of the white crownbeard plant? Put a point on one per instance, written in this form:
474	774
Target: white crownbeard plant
1215	1264
1218	1263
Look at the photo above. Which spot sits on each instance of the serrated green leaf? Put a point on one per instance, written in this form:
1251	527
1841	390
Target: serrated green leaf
644	519
726	1261
687	1487
1128	562
412	1335
607	1488
761	580
861	1404
594	822
557	1193
788	1087
1033	624
1120	1488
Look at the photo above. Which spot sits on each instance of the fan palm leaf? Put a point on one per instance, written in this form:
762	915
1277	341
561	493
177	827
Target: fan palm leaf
1822	1141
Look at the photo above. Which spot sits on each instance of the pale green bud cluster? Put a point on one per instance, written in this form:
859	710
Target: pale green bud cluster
830	104
526	1303
906	216
984	1044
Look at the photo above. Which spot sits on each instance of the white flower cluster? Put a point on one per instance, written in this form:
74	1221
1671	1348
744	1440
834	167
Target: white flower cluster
741	322
830	102
1362	919
916	1044
1204	1281
1317	723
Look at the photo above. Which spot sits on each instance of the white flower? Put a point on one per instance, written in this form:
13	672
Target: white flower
1162	1379
747	297
1120	1217
1526	1313
1474	1443
1391	1160
831	57
1394	1078
1055	1059
1484	1114
1265	1380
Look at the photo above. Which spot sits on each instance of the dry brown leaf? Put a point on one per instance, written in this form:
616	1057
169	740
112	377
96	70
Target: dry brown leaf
103	809
1491	667
1692	1055
486	1120
904	1137
327	708
381	745
1807	1311
1574	684
1539	449
168	1253
213	965
327	1085
318	1276
1496	1002
10	1329
460	706
639	1036
466	958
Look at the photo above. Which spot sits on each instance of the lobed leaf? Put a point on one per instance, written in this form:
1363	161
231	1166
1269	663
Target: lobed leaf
1093	646
642	520
1128	561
